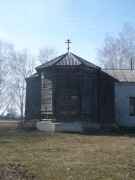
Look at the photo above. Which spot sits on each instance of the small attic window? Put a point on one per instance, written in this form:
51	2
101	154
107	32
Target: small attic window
42	74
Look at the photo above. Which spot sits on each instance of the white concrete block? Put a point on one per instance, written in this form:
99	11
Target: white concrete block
66	126
45	126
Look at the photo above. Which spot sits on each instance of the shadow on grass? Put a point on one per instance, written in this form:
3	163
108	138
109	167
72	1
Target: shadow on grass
8	132
122	132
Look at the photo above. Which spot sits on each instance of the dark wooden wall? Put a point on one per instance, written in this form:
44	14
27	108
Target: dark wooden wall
75	94
89	94
67	94
32	109
106	97
47	94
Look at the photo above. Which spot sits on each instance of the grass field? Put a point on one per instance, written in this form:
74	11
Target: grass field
59	156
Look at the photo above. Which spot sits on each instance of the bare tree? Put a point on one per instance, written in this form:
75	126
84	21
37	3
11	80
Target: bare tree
14	68
46	54
117	52
6	57
22	67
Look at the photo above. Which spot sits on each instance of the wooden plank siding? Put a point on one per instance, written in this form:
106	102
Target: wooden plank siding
105	93
89	95
33	96
67	94
71	94
46	94
69	88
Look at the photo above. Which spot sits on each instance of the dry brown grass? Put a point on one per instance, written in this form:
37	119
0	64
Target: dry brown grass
56	156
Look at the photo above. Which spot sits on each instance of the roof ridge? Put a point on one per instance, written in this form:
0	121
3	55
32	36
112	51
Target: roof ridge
61	57
75	60
51	60
85	60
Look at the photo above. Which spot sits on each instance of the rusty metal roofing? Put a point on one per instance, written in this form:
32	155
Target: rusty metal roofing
122	75
67	59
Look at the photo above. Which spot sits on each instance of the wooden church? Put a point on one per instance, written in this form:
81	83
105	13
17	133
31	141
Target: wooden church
70	89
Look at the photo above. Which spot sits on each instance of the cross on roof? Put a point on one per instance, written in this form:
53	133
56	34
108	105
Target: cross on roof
68	41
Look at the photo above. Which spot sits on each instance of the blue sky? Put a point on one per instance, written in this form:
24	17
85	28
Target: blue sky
33	24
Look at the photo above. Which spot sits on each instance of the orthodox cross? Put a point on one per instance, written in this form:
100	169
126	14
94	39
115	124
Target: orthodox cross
68	41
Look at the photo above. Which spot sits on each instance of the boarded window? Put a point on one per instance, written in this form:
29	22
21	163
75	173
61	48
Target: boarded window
132	106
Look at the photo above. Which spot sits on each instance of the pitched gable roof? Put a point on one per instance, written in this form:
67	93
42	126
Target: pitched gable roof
67	59
122	75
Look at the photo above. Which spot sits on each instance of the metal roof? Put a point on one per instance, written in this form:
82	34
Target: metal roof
67	59
122	75
32	76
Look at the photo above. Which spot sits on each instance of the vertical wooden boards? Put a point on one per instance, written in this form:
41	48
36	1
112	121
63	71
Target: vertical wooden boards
105	94
89	97
32	110
46	92
67	94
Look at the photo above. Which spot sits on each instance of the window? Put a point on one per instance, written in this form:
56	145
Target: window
73	97
46	116
63	97
132	106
